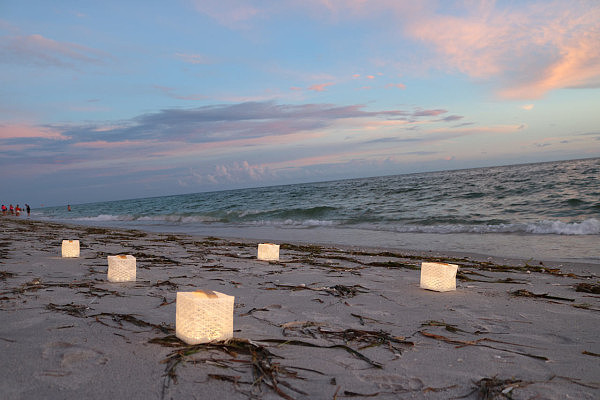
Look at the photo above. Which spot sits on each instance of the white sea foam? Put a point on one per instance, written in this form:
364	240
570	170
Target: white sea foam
106	218
589	226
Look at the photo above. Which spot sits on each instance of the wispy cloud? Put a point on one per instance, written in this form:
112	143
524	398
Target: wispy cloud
396	85
321	87
193	58
42	51
531	50
21	131
524	49
230	13
171	92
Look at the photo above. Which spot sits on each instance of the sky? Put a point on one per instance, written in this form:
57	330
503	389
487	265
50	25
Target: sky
127	99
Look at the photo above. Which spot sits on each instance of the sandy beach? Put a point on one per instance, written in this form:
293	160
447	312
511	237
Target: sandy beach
323	322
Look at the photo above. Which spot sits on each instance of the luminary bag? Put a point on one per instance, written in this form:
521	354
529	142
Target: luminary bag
268	252
121	268
70	248
204	316
440	277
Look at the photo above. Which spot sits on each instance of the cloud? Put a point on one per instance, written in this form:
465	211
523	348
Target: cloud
527	107
230	13
320	87
396	85
451	118
525	49
236	172
171	93
193	58
428	113
21	131
41	51
530	50
226	122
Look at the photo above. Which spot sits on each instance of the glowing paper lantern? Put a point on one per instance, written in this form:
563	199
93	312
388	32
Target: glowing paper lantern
121	268
203	316
70	248
268	252
440	277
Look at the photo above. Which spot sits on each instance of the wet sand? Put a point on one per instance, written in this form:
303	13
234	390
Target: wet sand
324	322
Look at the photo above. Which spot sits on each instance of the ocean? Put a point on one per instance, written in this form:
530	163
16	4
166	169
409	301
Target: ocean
544	211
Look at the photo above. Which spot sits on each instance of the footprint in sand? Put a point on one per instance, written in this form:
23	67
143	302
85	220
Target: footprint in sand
392	383
70	365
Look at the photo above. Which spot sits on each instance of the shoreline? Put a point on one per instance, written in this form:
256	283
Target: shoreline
547	248
324	322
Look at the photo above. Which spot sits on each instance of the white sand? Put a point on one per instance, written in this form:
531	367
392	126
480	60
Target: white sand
67	333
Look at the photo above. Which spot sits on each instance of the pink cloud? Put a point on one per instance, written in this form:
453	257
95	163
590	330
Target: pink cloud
531	50
29	131
101	144
396	85
525	48
40	50
320	87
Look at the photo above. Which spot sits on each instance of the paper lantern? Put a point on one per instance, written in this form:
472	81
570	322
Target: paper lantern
121	268
70	248
440	277
268	252
203	316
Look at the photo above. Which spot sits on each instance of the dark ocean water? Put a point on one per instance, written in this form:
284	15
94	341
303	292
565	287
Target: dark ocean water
549	211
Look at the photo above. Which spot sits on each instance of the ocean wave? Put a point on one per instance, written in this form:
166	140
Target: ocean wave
587	227
105	218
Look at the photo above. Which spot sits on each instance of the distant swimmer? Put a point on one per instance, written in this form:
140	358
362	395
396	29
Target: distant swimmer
28	209
69	207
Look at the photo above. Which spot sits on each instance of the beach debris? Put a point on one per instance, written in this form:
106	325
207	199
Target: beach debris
448	327
585	306
240	352
491	388
76	310
478	342
119	318
369	338
171	285
336	290
334	346
366	338
588	287
268	252
362	319
439	277
70	248
311	249
121	268
36	284
463	276
589	353
527	293
204	316
154	259
5	274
